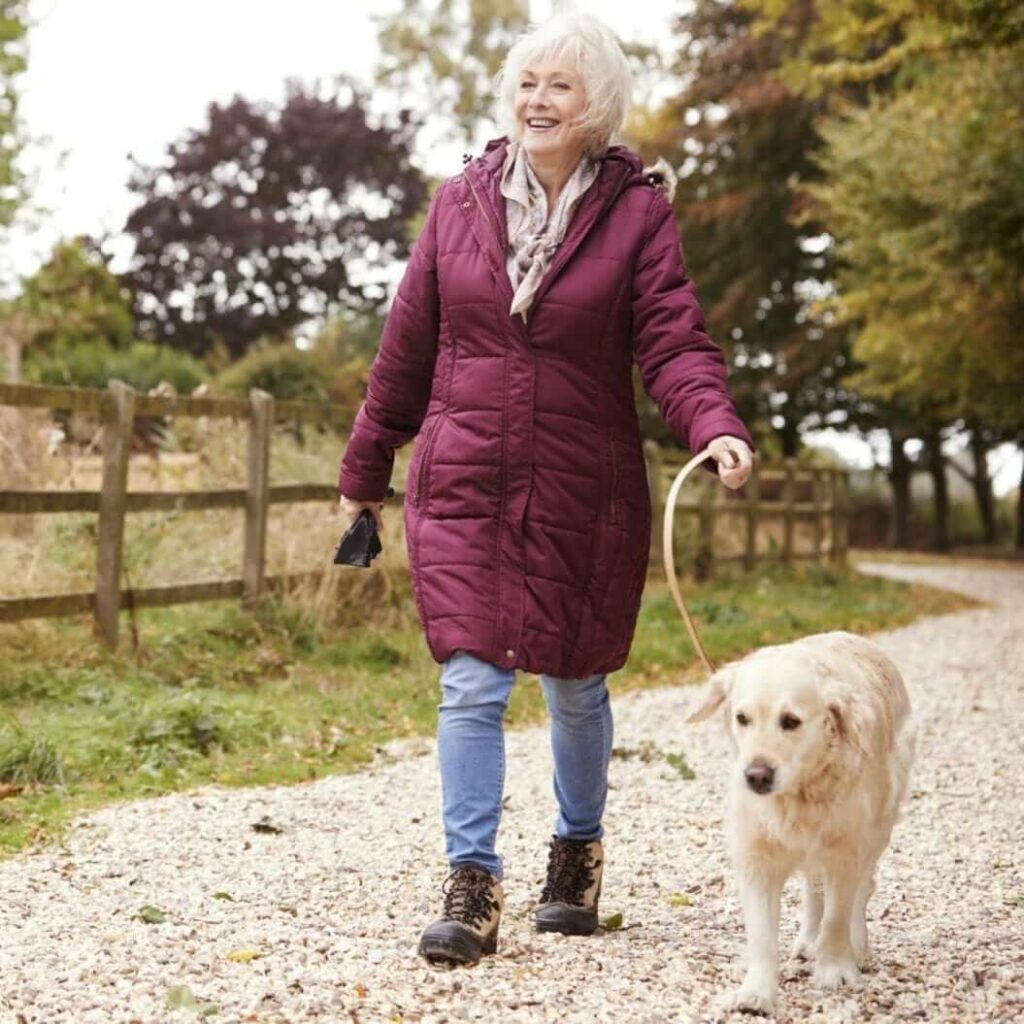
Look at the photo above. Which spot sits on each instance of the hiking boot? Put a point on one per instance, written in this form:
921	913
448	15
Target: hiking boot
473	900
568	902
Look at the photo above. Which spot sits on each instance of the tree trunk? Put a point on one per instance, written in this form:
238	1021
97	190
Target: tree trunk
1019	540
12	344
940	492
982	484
899	480
789	438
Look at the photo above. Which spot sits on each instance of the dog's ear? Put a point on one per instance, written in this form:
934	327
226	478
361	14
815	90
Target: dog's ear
718	692
847	723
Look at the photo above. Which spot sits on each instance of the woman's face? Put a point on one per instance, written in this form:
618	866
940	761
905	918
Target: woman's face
549	99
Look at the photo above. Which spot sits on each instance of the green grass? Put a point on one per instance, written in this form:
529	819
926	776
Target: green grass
212	695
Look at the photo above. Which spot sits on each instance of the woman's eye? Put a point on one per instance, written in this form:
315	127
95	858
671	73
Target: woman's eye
789	722
741	719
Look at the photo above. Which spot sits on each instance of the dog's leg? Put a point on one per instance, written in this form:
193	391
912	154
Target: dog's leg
760	891
859	919
836	961
813	906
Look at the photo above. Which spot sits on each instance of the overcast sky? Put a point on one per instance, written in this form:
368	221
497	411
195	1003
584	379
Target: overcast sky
111	77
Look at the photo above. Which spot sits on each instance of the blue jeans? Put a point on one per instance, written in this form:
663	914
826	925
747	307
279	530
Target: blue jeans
471	751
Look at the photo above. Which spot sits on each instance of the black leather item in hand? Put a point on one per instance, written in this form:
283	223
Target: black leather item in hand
360	543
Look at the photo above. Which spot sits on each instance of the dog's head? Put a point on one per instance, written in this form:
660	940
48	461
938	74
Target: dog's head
780	719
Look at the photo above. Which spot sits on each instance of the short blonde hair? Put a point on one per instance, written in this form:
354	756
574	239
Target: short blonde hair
597	56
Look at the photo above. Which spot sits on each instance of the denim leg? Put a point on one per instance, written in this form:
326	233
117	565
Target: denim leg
471	752
581	742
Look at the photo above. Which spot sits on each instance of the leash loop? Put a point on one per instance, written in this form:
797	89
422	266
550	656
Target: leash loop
669	558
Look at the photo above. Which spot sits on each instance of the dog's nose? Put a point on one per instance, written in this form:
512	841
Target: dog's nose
760	776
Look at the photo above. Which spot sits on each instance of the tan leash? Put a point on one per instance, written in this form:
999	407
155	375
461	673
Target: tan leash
670	562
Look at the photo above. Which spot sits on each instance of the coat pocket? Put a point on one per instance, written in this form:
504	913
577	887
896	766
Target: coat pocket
422	470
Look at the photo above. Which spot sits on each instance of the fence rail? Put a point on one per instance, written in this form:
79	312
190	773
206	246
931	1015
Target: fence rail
119	406
828	505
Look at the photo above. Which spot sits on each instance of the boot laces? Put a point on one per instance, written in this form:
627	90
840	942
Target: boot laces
467	896
570	872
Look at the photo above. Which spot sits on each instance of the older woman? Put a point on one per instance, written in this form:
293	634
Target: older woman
544	269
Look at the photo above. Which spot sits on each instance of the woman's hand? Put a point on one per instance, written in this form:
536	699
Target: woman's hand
735	460
352	509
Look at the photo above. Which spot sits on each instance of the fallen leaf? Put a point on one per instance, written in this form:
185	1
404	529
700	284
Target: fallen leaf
222	895
678	899
678	761
611	922
244	956
180	997
151	914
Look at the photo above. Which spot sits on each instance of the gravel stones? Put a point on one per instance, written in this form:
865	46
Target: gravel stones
319	922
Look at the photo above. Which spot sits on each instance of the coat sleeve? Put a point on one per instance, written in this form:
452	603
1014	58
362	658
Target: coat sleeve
682	369
401	373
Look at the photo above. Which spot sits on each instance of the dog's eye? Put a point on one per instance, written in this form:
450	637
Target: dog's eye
742	719
789	722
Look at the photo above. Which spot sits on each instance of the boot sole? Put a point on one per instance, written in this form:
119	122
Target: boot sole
556	917
456	945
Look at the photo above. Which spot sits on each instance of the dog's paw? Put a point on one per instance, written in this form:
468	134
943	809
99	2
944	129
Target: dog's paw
753	997
835	973
803	948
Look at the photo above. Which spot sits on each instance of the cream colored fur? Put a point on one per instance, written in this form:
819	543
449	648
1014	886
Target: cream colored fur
838	778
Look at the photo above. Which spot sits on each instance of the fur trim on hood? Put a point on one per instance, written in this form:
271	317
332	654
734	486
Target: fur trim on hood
662	177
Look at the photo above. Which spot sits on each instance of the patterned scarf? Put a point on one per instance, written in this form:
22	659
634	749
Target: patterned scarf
533	236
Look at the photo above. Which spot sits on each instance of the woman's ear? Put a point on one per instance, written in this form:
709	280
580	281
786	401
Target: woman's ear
718	692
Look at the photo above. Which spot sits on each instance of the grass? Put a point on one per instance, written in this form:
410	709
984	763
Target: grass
212	695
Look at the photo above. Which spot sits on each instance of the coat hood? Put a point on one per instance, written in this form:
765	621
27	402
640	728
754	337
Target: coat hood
659	175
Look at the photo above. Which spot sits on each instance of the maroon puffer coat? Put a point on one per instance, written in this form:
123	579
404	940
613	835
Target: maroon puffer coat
527	510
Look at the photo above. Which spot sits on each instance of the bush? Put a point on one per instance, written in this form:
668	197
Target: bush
93	364
283	371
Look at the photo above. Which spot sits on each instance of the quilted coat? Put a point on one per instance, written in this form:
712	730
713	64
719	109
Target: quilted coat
527	510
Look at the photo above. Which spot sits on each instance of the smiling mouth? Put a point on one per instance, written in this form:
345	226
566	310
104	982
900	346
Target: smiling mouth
541	124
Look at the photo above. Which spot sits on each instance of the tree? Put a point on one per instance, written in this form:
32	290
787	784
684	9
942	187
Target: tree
925	192
74	299
856	41
267	218
448	52
744	143
13	26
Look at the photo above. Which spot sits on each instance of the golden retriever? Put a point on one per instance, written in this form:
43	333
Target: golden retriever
823	740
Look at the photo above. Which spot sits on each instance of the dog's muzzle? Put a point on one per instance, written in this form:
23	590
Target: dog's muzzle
760	776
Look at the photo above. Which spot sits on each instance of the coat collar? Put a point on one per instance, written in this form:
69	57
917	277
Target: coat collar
619	168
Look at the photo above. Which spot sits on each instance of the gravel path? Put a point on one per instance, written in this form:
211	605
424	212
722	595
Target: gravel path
333	903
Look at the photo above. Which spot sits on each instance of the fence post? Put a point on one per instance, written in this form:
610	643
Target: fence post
843	520
753	497
788	498
117	444
654	464
836	547
257	500
818	511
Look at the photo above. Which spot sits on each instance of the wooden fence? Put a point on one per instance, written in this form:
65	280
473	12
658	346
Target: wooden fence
824	507
117	408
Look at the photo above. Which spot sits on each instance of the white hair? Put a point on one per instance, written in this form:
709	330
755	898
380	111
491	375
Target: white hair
594	52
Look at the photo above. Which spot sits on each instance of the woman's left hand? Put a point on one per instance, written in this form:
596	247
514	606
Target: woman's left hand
735	460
